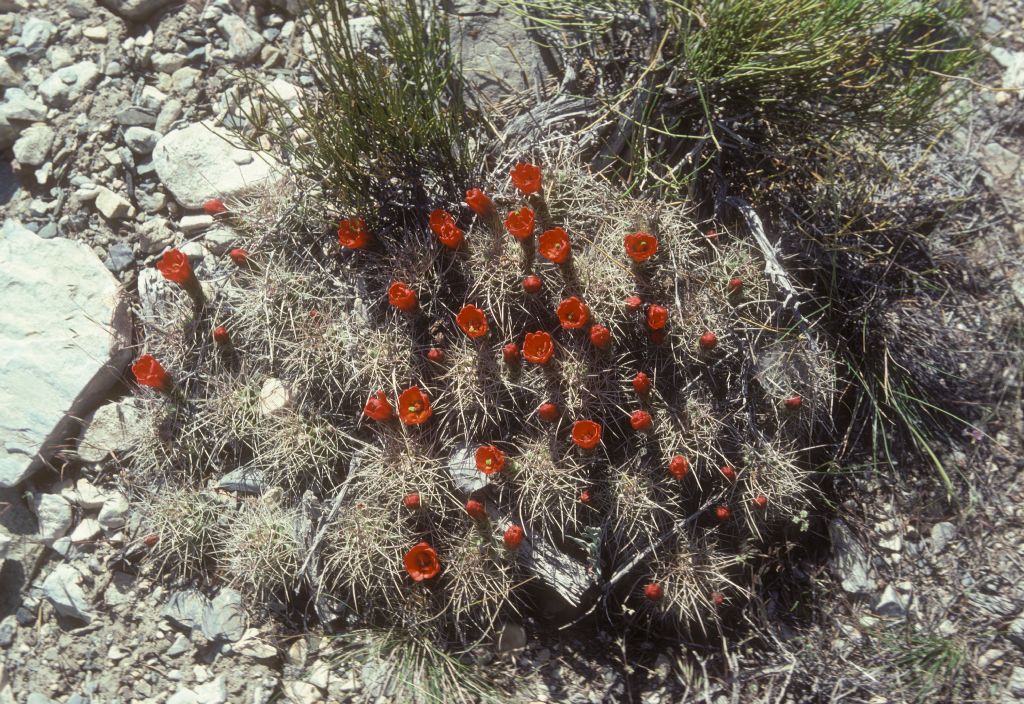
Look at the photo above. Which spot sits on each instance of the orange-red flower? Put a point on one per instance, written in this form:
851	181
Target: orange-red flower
214	206
554	245
538	347
439	219
174	265
220	335
510	352
735	284
654	591
717	598
239	256
149	372
642	383
451	235
573	313
532	284
708	340
793	402
723	513
586	434
657	316
378	407
411	501
634	303
472	321
435	355
414	406
421	562
352	233
489	459
728	472
678	466
476	510
519	223
526	177
761	500
479	202
401	296
586	497
513	537
641	246
548	412
600	336
640	420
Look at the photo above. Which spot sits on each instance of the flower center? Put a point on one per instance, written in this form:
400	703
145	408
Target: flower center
415	407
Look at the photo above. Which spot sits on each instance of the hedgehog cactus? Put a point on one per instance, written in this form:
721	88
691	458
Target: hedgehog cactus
475	393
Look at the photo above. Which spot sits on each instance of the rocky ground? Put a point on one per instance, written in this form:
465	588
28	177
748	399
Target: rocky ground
110	141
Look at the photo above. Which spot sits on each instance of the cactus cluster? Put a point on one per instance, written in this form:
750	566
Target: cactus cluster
552	391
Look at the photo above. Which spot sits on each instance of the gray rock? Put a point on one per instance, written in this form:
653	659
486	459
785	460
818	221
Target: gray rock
849	559
169	114
85	494
154	235
86	530
190	224
8	76
113	206
63	588
243	43
165	62
942	534
463	471
184	79
140	139
222	619
59	57
33	146
1015	686
136	10
114	513
198	163
59	299
891	603
1000	162
180	645
8	629
53	514
62	88
243	480
220	239
136	116
35	35
119	257
213	692
37	698
5	544
17	106
110	430
1015	632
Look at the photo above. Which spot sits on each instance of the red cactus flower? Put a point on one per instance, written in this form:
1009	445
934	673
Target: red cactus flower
532	284
512	538
439	219
538	347
640	420
352	233
573	313
378	407
600	336
657	316
451	236
586	434
526	177
712	235
510	353
735	284
220	335
174	265
519	223
478	201
489	459
472	321
641	246
214	206
411	501
723	513
586	497
793	402
554	245
548	412
476	510
761	500
435	355
642	383
239	256
717	598
678	466
654	591
634	303
708	340
421	562
728	472
149	372
401	296
414	406
150	540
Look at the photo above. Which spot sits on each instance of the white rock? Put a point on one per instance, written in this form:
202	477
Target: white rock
56	301
63	588
136	10
98	33
154	235
109	431
62	88
141	140
184	79
849	560
59	56
891	603
111	205
273	396
220	239
198	163
301	693
152	98
114	513
35	35
87	529
33	146
213	692
942	534
53	514
195	223
17	106
85	494
183	696
5	544
243	43
251	646
283	90
8	76
167	62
